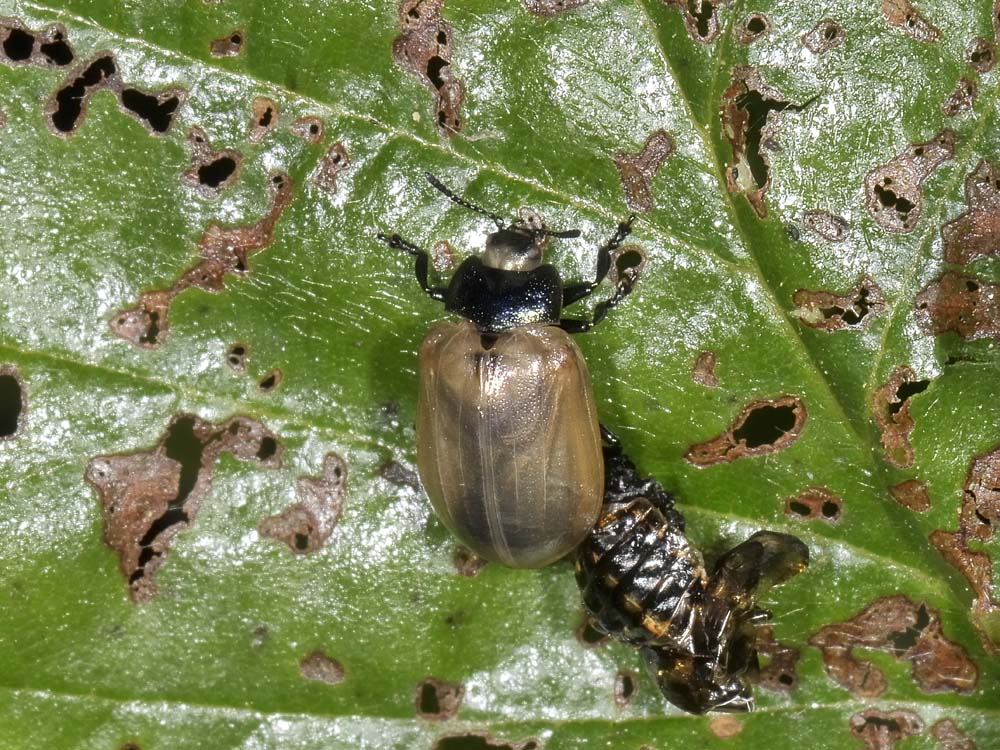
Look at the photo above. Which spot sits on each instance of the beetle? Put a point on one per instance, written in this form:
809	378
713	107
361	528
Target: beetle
508	443
643	583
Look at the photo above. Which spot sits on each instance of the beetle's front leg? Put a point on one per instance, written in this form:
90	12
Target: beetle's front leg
422	262
576	292
578	325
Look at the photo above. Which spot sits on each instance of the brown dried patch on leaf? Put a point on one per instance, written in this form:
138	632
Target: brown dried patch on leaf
47	48
962	98
424	49
780	673
725	726
751	117
950	737
305	526
636	170
149	496
625	686
334	161
549	8
223	250
309	127
815	502
902	15
3	119
467	563
67	107
910	631
824	36
229	45
976	233
627	261
701	17
911	494
703	371
13	402
881	730
981	54
964	304
443	256
978	521
893	191
265	118
236	356
762	427
438	700
321	668
210	171
834	312
754	26
270	381
399	475
891	407
473	741
828	226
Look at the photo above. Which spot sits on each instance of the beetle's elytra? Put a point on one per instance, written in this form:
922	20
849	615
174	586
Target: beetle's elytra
508	444
644	584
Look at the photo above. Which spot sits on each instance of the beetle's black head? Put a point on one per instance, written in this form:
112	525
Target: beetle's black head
517	246
698	683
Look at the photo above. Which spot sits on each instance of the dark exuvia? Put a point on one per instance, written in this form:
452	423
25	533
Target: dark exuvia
645	585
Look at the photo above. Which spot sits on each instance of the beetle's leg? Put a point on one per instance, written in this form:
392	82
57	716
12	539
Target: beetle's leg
423	260
577	325
576	292
766	559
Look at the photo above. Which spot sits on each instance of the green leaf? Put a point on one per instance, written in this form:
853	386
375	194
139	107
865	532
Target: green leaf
92	220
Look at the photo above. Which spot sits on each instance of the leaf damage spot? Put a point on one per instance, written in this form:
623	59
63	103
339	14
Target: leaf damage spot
701	17
309	128
270	381
625	686
981	54
976	233
881	730
211	171
751	117
424	49
264	120
636	170
828	226
762	427
443	256
236	356
950	737
398	474
891	407
47	48
909	631
962	98
815	503
334	161
229	45
978	520
67	107
223	250
321	668
906	18
305	526
893	191
472	741
467	563
549	8
13	402
725	726
912	494
754	26
835	312
964	304
149	496
824	36
703	371
437	700
780	672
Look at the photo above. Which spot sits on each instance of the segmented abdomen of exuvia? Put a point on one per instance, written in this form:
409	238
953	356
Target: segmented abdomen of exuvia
639	576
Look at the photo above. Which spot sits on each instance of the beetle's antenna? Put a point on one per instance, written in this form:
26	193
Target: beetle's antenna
565	235
454	198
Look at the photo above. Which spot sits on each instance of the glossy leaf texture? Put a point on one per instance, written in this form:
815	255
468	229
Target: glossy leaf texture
91	220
